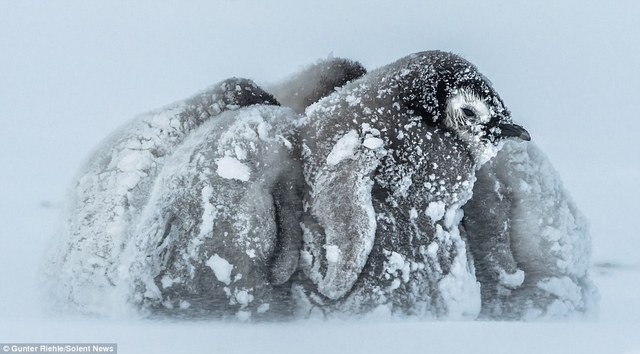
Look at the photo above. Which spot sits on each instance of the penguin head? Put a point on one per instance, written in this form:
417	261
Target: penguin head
467	113
449	93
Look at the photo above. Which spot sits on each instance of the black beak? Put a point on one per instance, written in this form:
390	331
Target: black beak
513	130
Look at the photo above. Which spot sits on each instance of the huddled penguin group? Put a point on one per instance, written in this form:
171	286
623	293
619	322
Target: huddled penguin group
404	191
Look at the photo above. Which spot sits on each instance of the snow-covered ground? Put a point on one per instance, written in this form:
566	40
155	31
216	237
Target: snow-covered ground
72	72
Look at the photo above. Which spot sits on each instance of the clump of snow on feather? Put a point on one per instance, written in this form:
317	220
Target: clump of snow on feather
221	268
344	148
232	168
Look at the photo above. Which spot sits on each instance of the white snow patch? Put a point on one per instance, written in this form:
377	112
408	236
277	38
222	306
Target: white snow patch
231	168
286	142
373	143
167	281
453	216
263	131
562	287
511	281
396	262
460	290
413	214
403	186
209	212
241	154
435	211
352	100
333	254
221	268
244	298
432	249
128	180
263	308
227	291
243	315
366	128
134	160
344	148
306	258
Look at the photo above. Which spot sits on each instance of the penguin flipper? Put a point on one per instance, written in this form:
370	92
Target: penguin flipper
487	226
287	200
340	232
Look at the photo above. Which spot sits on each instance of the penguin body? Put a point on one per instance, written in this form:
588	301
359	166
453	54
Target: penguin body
220	235
114	186
530	242
389	160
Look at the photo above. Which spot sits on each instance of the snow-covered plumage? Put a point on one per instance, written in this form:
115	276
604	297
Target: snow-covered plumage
220	232
220	235
387	174
530	243
396	193
113	187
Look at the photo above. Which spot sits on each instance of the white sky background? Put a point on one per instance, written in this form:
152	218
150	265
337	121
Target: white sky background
73	71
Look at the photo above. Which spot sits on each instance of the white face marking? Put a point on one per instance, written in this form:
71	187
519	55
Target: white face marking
467	112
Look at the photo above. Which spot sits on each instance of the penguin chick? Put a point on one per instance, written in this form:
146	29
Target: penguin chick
529	240
220	234
388	161
114	185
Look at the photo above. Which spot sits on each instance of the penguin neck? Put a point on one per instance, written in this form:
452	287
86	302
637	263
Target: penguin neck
480	150
432	168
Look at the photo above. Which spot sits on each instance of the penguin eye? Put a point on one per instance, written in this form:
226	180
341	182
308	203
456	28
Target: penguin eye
468	112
